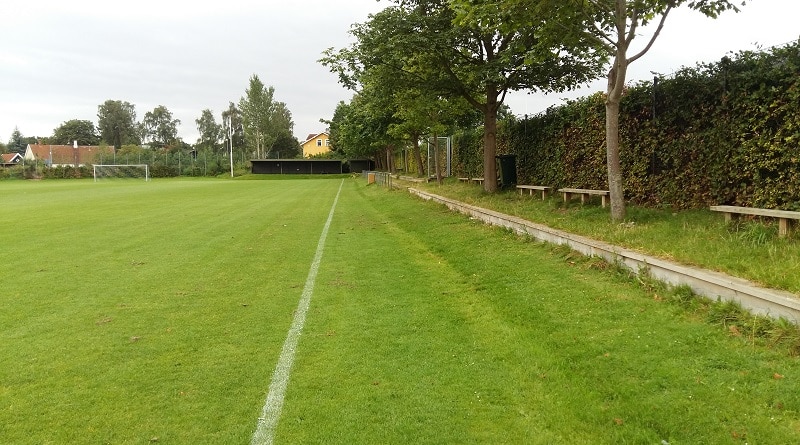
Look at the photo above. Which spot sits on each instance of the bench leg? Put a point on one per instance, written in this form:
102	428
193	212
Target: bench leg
583	199
784	227
543	195
603	200
728	217
567	196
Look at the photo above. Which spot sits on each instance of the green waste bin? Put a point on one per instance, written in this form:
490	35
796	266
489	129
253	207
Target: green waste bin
507	167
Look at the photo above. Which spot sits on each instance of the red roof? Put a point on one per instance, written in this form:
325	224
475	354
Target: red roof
67	154
10	158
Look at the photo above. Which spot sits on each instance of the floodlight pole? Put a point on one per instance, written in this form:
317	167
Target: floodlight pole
230	141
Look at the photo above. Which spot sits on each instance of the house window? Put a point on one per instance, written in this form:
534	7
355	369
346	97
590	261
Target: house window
327	142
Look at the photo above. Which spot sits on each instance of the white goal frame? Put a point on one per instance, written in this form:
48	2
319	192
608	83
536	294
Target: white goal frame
146	169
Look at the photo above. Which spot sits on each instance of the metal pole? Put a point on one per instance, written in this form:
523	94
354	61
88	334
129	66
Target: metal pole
230	142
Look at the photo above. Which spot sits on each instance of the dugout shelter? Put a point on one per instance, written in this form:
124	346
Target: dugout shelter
296	166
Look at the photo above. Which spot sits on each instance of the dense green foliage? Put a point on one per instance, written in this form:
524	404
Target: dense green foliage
718	133
82	131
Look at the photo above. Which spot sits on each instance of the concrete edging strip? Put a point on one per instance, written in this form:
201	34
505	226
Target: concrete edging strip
710	284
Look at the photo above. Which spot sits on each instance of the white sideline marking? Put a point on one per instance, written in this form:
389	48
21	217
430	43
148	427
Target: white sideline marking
268	421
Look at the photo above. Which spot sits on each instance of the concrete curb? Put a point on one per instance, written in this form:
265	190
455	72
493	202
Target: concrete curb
710	284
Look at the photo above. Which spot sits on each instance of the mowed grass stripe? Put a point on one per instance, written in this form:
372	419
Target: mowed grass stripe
270	415
431	328
148	311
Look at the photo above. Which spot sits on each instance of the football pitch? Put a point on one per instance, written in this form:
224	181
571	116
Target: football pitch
158	312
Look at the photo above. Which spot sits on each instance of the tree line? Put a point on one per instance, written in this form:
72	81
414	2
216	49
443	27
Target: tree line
257	126
424	67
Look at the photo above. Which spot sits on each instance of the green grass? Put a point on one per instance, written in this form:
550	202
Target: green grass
748	249
155	313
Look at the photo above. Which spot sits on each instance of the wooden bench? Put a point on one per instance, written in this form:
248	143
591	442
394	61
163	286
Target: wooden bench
463	180
530	188
477	180
603	194
784	217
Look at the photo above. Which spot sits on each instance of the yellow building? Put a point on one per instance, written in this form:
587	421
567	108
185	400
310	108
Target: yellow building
316	144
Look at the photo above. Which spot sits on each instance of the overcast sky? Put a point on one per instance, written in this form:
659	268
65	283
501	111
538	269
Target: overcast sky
61	59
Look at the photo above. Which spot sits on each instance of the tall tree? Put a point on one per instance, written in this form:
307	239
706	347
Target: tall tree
615	25
477	50
257	106
82	131
263	117
159	127
210	131
116	121
17	144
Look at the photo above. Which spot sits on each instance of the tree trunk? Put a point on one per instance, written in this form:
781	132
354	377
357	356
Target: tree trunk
436	159
616	85
617	194
390	165
490	140
417	155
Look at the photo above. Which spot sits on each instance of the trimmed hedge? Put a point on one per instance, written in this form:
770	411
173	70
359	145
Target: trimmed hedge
720	133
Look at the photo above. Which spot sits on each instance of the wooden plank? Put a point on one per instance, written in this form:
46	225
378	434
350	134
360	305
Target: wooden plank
784	217
784	227
788	214
543	188
585	191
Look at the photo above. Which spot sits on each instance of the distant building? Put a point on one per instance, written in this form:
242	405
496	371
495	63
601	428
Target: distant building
316	144
10	159
66	155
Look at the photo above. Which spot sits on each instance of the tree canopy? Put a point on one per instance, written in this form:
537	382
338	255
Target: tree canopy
82	131
478	51
210	131
263	118
159	127
116	121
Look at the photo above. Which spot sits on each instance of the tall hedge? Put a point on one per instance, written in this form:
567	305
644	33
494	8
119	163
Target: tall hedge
720	133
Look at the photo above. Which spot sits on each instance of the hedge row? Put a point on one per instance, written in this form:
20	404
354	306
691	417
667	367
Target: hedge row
720	133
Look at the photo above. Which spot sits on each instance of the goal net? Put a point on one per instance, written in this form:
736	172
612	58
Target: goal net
126	171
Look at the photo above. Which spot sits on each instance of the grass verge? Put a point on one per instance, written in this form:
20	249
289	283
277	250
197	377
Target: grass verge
749	249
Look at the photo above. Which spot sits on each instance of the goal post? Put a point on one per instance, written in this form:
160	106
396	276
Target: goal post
126	171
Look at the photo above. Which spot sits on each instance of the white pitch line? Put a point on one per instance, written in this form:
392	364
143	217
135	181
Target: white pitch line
271	413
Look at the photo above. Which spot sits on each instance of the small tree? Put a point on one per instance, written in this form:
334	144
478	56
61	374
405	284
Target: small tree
17	142
615	26
210	131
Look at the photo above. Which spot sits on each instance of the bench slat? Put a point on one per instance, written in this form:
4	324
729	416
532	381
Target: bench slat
543	188
585	191
783	216
568	192
757	212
